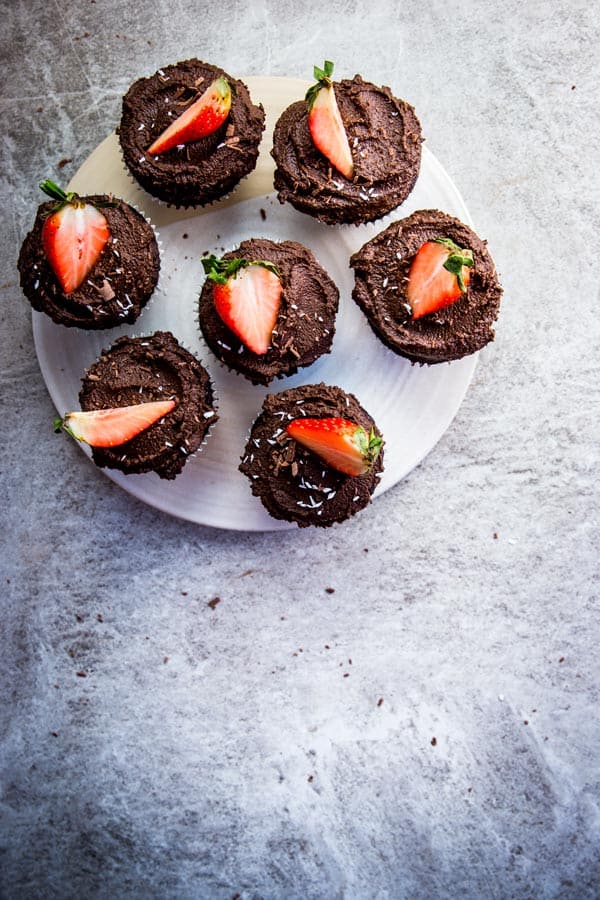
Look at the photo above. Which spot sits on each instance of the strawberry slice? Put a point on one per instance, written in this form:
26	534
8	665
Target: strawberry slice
325	122
438	276
342	444
200	119
247	296
112	427
73	236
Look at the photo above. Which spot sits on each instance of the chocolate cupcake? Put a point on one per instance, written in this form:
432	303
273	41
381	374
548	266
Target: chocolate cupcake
89	262
267	309
144	370
189	133
367	163
428	287
296	483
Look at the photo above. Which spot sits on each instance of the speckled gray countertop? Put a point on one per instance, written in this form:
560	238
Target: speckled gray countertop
405	706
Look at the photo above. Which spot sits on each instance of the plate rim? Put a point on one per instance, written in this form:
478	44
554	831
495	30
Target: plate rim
256	85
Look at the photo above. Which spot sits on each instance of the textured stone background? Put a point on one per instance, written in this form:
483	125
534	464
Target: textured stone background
222	752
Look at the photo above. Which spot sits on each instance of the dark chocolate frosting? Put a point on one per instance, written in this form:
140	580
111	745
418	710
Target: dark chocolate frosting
139	370
293	483
118	286
201	171
306	322
381	272
385	140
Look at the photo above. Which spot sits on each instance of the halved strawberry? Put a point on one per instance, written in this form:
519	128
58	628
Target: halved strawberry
342	444
325	122
247	295
200	119
73	236
438	276
112	427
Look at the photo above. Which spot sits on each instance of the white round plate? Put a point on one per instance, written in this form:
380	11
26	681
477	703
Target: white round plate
412	405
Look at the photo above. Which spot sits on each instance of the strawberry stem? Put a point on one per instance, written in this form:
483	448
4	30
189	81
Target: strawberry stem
457	258
56	192
370	444
53	190
323	79
221	270
61	425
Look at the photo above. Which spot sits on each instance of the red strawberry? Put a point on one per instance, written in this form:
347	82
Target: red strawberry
343	444
325	122
200	119
247	295
112	427
438	276
73	236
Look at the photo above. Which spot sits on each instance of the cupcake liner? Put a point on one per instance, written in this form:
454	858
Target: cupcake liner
96	326
312	497
214	174
211	419
319	316
187	207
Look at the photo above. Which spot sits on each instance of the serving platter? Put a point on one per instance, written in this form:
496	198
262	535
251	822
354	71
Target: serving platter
412	405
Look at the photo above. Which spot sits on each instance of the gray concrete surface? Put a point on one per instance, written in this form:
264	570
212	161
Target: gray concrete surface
222	752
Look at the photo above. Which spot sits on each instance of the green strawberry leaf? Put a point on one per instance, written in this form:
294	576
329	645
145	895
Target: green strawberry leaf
221	270
53	190
369	444
457	258
56	192
323	80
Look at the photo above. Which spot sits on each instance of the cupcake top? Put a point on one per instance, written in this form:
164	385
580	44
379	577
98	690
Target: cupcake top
407	282
213	145
293	482
365	167
142	370
286	329
89	262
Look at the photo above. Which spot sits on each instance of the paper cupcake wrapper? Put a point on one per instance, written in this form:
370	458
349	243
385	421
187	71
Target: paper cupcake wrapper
165	204
215	404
